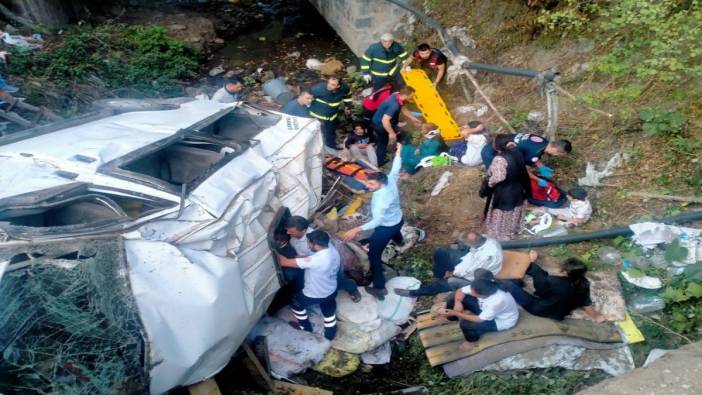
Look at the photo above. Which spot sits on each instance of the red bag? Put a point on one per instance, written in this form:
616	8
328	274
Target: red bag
549	193
372	102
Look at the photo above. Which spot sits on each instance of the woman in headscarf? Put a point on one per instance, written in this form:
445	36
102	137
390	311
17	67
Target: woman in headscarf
507	188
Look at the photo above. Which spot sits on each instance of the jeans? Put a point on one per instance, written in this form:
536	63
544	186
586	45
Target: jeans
472	331
378	241
328	306
381	142
329	133
445	260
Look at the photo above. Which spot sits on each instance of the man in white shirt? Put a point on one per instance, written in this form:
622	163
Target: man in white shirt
231	92
320	271
481	307
454	272
298	228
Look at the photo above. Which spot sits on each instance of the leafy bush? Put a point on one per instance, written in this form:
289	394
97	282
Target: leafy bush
654	38
658	122
141	58
569	17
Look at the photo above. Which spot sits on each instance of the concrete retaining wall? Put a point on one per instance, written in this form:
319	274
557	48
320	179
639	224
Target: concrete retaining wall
361	22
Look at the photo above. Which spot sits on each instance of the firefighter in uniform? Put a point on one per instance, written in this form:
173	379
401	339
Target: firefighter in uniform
329	97
381	62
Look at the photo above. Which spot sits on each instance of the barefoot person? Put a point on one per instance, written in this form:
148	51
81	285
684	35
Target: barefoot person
481	307
555	296
386	221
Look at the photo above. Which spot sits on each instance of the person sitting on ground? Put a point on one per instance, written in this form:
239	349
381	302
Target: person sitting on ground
555	296
298	228
320	284
475	136
361	144
231	92
299	106
481	307
429	145
453	271
430	58
578	211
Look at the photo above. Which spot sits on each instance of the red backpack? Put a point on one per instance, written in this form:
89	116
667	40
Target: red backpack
372	102
549	193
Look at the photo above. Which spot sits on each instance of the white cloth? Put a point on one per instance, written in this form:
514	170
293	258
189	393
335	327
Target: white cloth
578	209
474	144
300	245
321	269
488	256
499	306
223	96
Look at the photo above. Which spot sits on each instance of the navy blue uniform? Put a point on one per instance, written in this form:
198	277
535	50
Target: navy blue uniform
392	107
326	106
531	146
383	64
293	107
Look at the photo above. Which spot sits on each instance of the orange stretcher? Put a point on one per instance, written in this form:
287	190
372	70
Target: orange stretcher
430	103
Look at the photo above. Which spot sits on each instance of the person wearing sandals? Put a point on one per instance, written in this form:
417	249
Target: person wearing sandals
555	296
298	228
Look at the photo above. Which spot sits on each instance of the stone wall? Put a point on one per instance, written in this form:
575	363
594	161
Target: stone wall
361	22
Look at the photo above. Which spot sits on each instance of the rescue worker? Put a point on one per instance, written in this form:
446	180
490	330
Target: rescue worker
329	97
320	282
387	117
429	58
381	62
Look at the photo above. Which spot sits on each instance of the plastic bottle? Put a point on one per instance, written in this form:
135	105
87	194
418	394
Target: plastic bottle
609	255
646	303
692	251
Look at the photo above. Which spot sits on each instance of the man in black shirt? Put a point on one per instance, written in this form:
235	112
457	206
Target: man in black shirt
429	58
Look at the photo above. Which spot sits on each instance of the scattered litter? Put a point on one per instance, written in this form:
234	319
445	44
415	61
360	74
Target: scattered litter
351	69
646	303
535	117
351	338
442	183
461	33
609	255
217	71
394	307
293	55
593	176
313	64
378	356
649	234
630	331
337	363
477	109
615	361
642	281
654	355
420	390
290	351
22	42
331	66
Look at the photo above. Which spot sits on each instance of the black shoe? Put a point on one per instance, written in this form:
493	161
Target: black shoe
379	293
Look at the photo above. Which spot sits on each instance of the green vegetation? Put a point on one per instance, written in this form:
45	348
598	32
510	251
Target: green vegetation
112	57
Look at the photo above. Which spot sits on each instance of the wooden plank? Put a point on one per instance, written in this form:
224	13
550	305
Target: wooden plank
440	334
207	387
425	321
297	389
11	116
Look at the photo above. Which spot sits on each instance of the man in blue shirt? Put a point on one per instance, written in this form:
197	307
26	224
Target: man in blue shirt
387	117
386	221
300	106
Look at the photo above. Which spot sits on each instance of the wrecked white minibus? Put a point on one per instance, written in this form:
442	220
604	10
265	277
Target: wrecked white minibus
134	248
